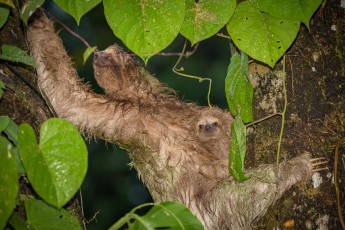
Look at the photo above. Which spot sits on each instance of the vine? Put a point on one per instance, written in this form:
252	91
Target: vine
200	79
283	113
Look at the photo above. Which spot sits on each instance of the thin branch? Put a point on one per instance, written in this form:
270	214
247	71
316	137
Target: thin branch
187	54
82	208
223	36
282	114
263	119
69	30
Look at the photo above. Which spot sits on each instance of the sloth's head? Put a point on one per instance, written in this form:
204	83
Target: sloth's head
208	127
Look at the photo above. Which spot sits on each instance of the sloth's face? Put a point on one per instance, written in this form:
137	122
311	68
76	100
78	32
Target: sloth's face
208	127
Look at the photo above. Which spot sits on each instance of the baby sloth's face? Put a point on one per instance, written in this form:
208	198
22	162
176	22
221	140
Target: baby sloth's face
208	128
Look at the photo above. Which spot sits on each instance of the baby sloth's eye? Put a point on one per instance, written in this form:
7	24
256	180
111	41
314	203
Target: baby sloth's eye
201	126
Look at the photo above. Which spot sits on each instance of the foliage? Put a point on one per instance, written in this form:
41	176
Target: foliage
4	12
8	180
239	95
60	147
264	29
166	215
14	54
2	88
29	8
7	2
55	168
146	27
237	149
238	89
261	35
42	216
205	18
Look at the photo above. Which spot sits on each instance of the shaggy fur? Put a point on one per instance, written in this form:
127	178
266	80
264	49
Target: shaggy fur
179	149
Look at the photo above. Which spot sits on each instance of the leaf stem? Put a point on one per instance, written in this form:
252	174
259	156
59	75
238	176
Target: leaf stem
200	79
283	113
263	119
223	36
141	206
187	54
69	30
122	221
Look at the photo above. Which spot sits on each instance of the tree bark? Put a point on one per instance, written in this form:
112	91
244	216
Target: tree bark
315	119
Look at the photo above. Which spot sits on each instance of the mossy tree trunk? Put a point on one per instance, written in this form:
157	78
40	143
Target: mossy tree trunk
314	123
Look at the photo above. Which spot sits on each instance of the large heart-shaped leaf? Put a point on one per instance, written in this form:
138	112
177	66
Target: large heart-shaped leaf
57	166
146	27
8	180
77	8
204	18
261	35
294	10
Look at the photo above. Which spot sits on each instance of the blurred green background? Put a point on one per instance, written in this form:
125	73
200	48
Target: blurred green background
111	188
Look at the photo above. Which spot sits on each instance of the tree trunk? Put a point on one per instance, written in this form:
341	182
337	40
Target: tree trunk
315	119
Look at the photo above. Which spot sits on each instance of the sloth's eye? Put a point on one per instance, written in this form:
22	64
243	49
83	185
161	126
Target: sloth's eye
201	126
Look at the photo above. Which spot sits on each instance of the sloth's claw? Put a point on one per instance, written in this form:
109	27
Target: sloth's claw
318	164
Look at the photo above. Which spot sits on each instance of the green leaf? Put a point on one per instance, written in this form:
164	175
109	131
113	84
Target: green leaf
261	35
2	85
204	18
57	166
238	89
4	121
77	8
145	27
293	10
237	150
7	2
8	181
4	12
29	8
41	216
167	215
88	52
9	128
19	223
14	54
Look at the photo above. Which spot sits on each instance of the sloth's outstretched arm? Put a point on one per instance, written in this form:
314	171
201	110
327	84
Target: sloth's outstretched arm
179	149
70	98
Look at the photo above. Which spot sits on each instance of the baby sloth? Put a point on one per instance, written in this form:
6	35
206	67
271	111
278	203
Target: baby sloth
212	130
208	128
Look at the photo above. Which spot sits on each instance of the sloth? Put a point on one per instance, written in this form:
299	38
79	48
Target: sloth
208	128
179	149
